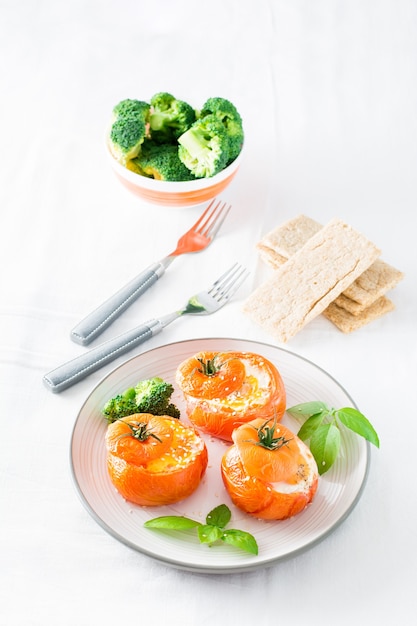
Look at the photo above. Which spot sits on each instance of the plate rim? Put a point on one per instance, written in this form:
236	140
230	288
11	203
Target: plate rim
213	569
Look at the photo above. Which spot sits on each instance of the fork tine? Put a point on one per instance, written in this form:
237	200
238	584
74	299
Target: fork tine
212	218
203	215
218	221
227	285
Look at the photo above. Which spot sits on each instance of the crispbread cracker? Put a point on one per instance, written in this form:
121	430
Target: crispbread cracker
272	258
371	285
311	279
287	239
282	242
347	323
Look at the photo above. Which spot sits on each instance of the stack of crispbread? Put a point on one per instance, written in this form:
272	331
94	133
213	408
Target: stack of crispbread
330	269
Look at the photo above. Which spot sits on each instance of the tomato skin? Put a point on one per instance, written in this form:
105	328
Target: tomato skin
228	377
120	443
262	483
250	386
157	471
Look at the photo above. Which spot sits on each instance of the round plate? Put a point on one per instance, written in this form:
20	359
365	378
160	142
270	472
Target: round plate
338	492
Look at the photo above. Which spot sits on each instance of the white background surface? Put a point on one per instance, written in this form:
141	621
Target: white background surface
328	94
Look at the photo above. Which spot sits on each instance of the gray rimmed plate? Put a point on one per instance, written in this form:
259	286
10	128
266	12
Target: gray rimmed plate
339	489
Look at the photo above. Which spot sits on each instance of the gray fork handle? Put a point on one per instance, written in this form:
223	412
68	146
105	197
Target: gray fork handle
98	320
75	370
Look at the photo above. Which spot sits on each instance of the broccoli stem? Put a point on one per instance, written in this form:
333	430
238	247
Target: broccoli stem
158	121
195	143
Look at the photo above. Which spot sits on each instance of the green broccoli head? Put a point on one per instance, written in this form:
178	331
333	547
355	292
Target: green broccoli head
126	137
153	396
169	117
161	161
121	405
149	396
127	108
204	148
129	128
227	113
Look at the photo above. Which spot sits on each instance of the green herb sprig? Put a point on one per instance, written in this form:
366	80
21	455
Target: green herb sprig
323	427
210	532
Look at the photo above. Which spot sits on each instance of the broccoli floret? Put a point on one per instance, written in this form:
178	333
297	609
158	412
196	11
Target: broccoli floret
127	108
169	117
134	166
153	396
227	113
204	148
149	396
169	140
161	161
121	405
126	136
129	128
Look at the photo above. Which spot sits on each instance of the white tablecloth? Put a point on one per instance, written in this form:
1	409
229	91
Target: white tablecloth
328	94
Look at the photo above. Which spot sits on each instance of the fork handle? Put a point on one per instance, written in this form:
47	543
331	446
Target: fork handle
98	320
82	366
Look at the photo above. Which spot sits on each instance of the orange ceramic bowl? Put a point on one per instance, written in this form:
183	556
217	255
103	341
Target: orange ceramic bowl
180	194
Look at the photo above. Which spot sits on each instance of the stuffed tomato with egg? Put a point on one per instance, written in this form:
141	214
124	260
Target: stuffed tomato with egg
223	390
154	460
269	472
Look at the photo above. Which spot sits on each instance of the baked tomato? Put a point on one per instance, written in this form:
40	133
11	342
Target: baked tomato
269	472
154	460
223	390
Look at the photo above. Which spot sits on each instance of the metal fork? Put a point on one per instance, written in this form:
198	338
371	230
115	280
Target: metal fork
197	238
203	303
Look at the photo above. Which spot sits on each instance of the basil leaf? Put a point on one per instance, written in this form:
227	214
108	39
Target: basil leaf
172	522
311	425
207	533
324	446
219	516
307	409
354	420
210	532
240	539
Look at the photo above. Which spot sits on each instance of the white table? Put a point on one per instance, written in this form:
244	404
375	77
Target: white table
327	91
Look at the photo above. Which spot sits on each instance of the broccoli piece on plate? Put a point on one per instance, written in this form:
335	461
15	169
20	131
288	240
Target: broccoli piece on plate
227	113
129	128
152	395
169	117
204	148
121	405
161	161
